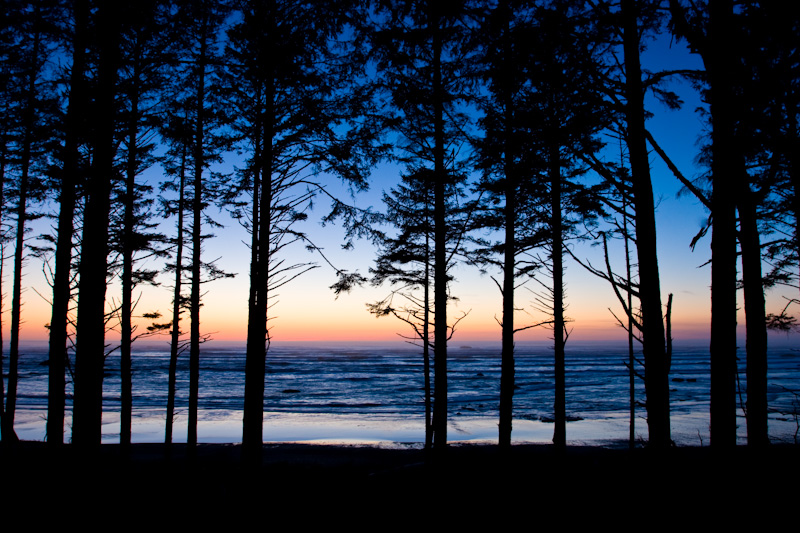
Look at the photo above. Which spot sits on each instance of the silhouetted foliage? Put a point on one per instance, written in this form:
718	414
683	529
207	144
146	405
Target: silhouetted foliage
199	98
68	176
90	348
143	74
535	126
176	134
405	261
510	94
297	107
630	25
29	102
420	49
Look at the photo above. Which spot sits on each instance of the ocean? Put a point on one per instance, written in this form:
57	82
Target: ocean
373	393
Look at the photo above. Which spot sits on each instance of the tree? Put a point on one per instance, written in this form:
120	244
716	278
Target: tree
500	153
656	360
420	51
535	125
68	178
768	208
144	41
199	97
406	262
750	73
297	109
6	47
33	42
93	269
177	133
710	32
626	86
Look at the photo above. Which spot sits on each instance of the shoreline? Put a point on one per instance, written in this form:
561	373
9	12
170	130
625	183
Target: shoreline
225	426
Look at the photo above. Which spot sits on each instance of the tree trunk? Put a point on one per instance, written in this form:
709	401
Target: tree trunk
28	120
440	241
756	319
2	272
656	366
556	227
56	395
175	334
723	231
257	325
197	212
507	364
631	358
126	312
90	333
426	341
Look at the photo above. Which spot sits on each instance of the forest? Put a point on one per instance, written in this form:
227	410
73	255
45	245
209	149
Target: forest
498	112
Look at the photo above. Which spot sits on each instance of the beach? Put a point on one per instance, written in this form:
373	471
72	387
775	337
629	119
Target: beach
343	445
301	484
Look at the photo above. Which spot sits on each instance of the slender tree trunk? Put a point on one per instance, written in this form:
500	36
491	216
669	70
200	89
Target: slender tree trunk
28	120
440	241
756	319
56	396
507	371
258	339
126	325
175	334
426	341
631	359
559	342
252	419
258	334
90	334
723	230
654	350
197	212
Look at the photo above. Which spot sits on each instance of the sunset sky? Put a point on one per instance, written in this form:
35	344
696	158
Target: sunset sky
308	310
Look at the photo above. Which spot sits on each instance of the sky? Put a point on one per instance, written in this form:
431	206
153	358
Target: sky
307	310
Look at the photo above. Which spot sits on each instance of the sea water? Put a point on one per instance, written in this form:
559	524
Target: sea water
373	392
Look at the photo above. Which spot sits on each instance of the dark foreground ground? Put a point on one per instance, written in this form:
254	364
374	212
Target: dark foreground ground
377	488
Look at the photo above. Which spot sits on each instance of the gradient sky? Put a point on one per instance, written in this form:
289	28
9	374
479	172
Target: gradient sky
308	310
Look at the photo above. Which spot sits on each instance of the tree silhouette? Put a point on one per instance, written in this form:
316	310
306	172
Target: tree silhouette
177	135
656	361
768	198
629	24
405	260
29	101
94	268
143	74
535	125
749	73
710	31
6	48
419	49
513	203
199	59
297	107
68	177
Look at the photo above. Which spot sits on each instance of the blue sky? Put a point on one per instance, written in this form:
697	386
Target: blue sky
308	310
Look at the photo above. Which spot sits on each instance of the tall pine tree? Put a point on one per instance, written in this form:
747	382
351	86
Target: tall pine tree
420	49
298	113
